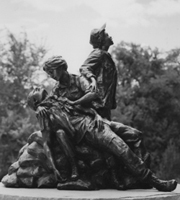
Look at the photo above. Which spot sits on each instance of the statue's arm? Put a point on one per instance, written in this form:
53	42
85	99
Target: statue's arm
87	98
91	64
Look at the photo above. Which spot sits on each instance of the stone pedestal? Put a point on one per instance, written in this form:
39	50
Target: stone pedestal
53	194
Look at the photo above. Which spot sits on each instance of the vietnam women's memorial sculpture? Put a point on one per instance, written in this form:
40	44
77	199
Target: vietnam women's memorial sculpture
78	146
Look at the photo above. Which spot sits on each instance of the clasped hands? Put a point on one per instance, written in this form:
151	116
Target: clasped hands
41	112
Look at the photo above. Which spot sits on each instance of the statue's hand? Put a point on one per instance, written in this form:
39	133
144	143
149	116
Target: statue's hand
93	85
99	122
41	111
70	102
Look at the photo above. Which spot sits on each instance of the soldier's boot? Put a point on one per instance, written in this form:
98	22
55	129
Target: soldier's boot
68	150
74	172
115	181
112	166
130	160
137	167
162	185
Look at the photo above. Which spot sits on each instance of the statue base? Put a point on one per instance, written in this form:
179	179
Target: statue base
47	194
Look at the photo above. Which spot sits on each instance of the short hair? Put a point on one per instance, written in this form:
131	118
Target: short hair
55	62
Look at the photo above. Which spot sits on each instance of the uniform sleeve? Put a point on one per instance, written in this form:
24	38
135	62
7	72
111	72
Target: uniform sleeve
84	84
91	63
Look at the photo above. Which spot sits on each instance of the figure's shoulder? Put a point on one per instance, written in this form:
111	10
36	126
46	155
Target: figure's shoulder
97	52
79	82
94	58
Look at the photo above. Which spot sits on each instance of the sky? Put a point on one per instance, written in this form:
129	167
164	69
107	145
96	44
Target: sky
64	26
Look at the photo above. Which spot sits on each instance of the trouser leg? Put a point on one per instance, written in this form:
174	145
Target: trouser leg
127	133
136	166
115	145
113	167
108	140
68	151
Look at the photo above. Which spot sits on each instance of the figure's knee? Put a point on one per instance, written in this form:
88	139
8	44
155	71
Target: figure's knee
118	146
117	126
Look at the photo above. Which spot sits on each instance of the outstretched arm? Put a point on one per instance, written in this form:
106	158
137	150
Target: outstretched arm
87	98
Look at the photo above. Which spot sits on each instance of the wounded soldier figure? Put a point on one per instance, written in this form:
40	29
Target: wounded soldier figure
84	124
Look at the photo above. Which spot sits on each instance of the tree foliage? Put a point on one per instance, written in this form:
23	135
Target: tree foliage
149	99
19	59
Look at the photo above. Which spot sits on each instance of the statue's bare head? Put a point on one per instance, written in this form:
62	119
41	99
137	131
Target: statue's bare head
36	96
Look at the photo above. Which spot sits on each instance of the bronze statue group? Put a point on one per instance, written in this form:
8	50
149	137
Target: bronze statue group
79	147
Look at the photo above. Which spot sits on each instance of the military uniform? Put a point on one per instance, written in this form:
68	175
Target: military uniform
100	65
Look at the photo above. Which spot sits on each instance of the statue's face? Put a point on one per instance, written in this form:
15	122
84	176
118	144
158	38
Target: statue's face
107	40
56	74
